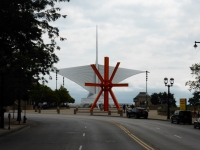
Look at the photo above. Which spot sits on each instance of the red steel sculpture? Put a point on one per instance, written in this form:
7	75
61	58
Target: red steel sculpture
106	85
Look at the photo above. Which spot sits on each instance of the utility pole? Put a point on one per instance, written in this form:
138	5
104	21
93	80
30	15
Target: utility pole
146	84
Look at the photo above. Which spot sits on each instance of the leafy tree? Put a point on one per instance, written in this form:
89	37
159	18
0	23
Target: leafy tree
50	97
162	98
71	100
195	68
195	99
42	93
64	95
155	98
23	53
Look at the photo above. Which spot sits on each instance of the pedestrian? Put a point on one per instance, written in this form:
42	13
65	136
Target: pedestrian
124	107
132	106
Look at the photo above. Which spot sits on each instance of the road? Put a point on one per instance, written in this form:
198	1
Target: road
82	132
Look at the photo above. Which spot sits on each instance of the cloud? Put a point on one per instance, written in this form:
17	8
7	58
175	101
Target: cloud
157	36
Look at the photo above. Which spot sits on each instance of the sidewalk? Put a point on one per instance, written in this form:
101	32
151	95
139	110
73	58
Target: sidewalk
14	125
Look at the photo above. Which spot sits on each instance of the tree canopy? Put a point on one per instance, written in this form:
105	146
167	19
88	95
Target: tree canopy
24	55
63	94
195	68
41	93
162	98
195	100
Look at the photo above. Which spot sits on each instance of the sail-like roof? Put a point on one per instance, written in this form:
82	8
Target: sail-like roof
85	74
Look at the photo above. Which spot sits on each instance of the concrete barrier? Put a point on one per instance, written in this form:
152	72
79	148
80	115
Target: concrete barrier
35	108
121	113
91	112
109	112
96	111
58	110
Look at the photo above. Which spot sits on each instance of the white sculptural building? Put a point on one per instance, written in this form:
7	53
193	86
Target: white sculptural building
85	74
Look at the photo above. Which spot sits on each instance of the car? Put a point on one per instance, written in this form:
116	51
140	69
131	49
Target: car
137	112
197	123
182	116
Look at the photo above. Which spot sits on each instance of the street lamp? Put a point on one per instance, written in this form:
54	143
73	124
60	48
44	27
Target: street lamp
168	85
2	110
56	78
24	121
195	45
2	103
19	106
63	81
13	110
146	85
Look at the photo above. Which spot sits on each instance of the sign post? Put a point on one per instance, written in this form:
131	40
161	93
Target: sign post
183	103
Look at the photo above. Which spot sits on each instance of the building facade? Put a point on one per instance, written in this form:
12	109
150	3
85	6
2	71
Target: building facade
142	99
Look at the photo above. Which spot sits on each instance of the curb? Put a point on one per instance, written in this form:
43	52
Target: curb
30	124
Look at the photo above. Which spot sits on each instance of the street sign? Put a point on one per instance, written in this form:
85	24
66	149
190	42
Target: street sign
183	103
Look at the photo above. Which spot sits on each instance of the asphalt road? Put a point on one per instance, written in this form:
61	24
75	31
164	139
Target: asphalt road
78	132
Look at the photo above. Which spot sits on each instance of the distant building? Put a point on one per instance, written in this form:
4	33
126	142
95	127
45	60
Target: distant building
142	99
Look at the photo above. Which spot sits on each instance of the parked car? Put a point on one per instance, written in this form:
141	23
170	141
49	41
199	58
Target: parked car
137	112
197	123
181	116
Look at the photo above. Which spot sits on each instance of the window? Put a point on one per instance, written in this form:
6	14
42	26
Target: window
176	112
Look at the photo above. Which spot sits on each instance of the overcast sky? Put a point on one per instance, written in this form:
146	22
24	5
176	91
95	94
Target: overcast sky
157	36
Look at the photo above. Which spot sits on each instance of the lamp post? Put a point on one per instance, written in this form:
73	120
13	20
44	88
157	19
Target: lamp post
56	78
63	81
58	109
195	45
13	110
19	108
24	121
146	85
2	102
168	85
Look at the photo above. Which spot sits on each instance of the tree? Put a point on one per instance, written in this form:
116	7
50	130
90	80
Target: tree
162	98
71	100
64	95
195	99
23	53
42	93
195	68
50	97
155	98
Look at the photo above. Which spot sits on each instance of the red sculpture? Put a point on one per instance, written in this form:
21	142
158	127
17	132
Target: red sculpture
106	85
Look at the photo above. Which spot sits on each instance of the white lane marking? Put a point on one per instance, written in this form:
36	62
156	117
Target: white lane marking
83	134
80	147
177	136
157	128
85	127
